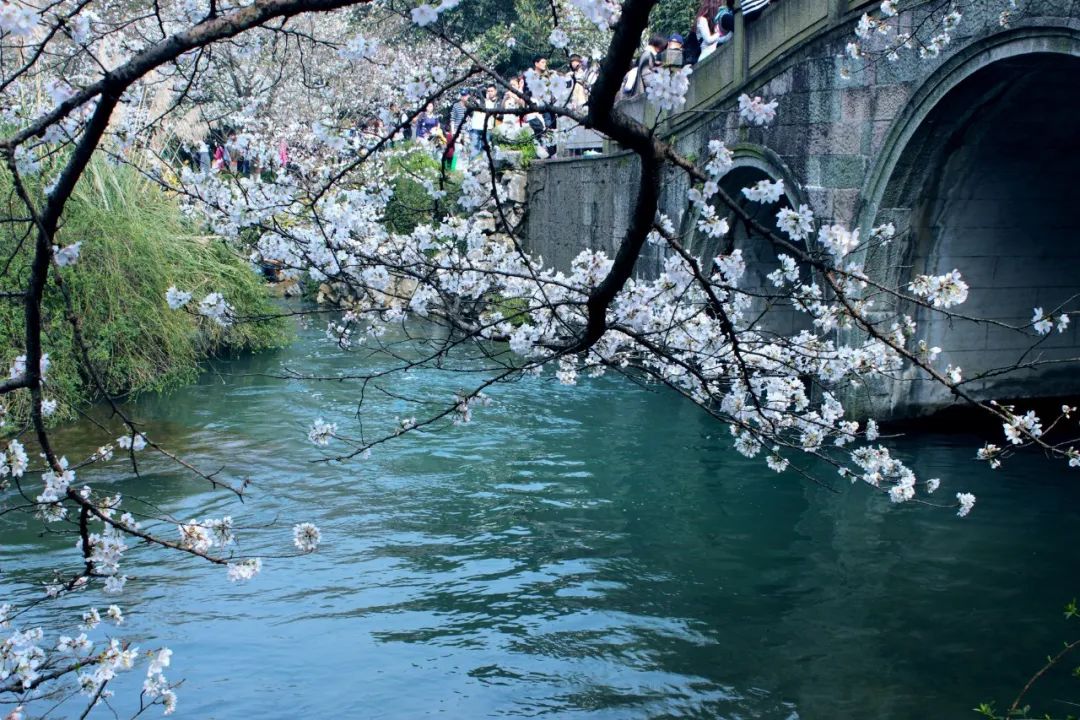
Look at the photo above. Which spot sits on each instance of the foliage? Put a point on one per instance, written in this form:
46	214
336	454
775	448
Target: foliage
523	143
487	24
135	243
673	16
411	203
528	20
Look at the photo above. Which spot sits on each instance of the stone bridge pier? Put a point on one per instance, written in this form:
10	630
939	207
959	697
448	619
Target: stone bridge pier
973	155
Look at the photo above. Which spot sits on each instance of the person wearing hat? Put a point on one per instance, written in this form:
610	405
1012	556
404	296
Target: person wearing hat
673	54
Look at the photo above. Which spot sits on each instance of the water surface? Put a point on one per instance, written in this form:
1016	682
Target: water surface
589	552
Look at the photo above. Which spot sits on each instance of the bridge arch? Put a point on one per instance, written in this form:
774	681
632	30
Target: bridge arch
977	175
976	56
753	163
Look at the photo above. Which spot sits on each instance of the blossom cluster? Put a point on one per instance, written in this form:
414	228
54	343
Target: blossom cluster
458	271
213	306
200	537
456	262
881	34
756	111
941	291
25	657
667	87
1043	323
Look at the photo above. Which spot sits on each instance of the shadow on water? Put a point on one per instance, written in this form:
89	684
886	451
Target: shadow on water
592	552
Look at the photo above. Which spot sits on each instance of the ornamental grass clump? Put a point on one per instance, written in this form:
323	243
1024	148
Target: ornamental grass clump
134	243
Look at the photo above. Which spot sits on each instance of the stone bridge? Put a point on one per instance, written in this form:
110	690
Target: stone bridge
973	155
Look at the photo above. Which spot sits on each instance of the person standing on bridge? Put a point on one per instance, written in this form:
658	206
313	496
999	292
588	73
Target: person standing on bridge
708	37
634	82
725	22
714	26
673	55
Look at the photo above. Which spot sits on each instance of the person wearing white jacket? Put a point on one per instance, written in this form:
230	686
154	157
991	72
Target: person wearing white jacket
709	28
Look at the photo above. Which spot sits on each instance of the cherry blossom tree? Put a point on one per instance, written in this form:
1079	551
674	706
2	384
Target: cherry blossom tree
82	80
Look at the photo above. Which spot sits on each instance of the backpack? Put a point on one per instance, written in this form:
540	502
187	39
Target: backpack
725	20
691	49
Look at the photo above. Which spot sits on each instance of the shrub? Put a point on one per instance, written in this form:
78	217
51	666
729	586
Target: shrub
520	139
411	204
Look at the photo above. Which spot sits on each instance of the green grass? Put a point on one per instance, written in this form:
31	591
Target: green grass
135	244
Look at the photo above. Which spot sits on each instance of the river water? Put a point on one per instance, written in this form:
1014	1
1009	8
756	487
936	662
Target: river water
588	552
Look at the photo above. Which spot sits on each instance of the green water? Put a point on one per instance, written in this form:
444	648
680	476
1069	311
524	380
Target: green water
588	552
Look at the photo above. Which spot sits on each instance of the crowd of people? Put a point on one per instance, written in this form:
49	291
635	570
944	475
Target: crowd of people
451	133
714	25
233	152
461	130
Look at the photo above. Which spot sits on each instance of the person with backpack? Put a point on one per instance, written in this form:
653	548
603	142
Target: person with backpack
705	28
634	82
714	26
725	22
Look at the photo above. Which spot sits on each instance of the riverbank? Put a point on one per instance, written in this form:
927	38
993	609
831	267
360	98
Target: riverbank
135	243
